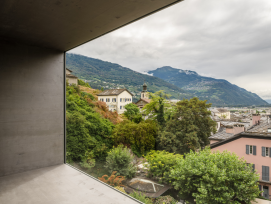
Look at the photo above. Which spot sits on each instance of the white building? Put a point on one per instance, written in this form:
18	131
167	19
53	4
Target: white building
71	78
221	113
116	99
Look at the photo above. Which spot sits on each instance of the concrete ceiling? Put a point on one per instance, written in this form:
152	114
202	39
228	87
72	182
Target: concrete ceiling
65	24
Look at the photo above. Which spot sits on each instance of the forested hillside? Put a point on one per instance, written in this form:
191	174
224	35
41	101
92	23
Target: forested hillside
216	91
110	75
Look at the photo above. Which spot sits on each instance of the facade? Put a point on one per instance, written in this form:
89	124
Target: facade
144	97
254	146
71	78
116	99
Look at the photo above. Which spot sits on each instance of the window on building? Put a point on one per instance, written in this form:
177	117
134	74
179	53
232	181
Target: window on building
113	99
265	173
120	99
266	192
266	151
102	99
107	99
251	149
120	107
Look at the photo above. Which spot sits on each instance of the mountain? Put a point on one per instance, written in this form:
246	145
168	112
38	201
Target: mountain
268	101
110	75
216	91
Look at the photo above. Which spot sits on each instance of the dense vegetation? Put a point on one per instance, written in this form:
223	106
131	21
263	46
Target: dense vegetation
215	178
88	131
97	136
216	91
110	75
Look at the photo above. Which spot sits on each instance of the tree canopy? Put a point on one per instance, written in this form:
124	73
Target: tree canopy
157	107
189	128
132	112
215	178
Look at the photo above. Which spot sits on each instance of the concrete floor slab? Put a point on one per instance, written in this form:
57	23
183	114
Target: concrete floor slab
59	184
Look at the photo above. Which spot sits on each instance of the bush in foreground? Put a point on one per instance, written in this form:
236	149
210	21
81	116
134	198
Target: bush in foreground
119	159
215	178
141	197
141	137
161	162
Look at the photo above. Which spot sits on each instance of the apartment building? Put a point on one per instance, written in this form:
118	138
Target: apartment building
254	145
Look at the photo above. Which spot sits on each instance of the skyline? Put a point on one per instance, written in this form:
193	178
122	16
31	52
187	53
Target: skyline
224	40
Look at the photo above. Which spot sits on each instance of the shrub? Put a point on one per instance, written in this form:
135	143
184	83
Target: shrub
141	137
113	180
215	178
141	197
119	159
161	162
82	83
165	200
120	189
87	95
132	112
88	162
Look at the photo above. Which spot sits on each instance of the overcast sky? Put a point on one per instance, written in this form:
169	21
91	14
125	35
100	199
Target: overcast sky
223	39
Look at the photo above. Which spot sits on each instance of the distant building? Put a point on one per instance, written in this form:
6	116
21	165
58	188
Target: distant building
221	113
116	99
144	97
71	78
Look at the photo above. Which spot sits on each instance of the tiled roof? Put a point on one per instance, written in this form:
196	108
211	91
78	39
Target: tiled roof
71	76
232	123
144	99
69	70
220	110
113	92
261	128
221	134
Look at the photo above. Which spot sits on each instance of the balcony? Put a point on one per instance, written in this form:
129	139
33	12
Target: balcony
57	184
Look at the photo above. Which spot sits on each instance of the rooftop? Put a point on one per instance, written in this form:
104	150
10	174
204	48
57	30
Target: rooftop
113	92
221	134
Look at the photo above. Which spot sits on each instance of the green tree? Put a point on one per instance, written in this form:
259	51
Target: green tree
189	128
140	137
102	89
215	178
82	83
157	107
132	112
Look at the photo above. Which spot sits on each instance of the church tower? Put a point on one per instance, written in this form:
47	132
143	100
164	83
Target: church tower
144	92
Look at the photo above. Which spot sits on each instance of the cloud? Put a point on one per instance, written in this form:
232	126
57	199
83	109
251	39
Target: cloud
223	39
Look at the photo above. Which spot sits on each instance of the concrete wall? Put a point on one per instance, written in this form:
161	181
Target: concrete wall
31	108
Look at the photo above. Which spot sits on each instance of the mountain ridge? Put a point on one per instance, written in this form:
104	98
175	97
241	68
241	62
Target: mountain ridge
216	91
111	75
